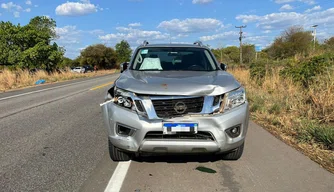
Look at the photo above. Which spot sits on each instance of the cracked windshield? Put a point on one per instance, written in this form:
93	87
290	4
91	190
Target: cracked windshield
167	95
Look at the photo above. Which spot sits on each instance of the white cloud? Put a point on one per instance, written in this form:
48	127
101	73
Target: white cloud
310	2
225	35
315	8
27	10
201	1
134	35
16	14
284	1
267	27
283	20
286	7
28	2
248	18
68	35
96	32
134	24
193	25
76	8
10	6
266	31
261	40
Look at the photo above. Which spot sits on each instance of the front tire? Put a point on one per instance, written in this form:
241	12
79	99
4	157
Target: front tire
235	154
116	154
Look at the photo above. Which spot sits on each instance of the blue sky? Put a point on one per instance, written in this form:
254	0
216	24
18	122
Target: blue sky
84	22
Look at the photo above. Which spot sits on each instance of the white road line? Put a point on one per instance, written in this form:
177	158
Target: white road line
116	180
28	93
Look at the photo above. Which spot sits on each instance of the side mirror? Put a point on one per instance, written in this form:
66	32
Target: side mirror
223	66
125	66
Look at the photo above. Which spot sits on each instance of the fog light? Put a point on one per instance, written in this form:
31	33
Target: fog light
124	131
233	131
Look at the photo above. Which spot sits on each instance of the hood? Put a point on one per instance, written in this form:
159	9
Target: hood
195	83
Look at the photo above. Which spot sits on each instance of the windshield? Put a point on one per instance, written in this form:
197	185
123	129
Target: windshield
173	58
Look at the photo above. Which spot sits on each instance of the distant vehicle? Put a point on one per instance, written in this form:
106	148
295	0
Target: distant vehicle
175	99
124	66
79	70
88	68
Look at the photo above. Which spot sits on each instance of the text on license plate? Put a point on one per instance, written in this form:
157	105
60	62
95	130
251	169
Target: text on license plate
169	128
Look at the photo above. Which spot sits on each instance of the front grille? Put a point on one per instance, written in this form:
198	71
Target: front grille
165	108
158	135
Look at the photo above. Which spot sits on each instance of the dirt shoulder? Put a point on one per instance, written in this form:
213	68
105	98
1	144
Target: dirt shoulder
10	80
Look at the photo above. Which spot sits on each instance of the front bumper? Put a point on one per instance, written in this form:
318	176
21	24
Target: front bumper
216	125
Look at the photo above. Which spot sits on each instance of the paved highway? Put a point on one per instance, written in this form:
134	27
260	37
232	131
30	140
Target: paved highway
53	139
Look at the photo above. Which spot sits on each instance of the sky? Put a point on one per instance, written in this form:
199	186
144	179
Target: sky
81	23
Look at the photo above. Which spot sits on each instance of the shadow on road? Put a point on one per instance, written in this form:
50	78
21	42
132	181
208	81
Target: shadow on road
178	158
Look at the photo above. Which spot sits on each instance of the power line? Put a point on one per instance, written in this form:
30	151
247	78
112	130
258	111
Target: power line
240	39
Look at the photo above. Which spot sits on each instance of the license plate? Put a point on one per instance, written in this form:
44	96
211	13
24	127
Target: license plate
172	128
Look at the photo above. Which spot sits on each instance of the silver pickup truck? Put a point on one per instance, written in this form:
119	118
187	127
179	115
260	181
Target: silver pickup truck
175	99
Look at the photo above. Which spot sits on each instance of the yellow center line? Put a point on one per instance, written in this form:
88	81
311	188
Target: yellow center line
101	86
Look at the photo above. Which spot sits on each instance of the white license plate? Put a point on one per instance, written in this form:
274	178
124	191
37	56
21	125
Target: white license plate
172	128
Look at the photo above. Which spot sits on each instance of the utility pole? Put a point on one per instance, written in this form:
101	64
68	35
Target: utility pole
240	39
314	35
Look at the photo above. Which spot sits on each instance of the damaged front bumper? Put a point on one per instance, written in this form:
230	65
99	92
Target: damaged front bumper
131	132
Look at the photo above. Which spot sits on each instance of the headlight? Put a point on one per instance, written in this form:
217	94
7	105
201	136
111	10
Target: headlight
123	98
127	100
234	99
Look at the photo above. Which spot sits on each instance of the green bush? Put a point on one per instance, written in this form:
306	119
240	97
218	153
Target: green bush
318	132
257	103
275	109
305	71
258	71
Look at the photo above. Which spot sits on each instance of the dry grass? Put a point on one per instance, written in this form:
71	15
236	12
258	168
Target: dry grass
21	78
292	112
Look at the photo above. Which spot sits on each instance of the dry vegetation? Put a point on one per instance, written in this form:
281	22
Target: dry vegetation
22	78
302	117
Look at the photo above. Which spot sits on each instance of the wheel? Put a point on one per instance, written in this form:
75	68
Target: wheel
116	154
235	154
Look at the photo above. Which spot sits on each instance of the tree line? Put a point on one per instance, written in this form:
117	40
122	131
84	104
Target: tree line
294	41
33	46
101	56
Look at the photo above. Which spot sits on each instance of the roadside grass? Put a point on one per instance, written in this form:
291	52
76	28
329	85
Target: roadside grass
302	117
22	78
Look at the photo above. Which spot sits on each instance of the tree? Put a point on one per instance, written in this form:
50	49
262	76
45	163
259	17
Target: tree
233	54
30	46
99	55
8	43
228	55
293	41
248	53
329	44
66	62
123	51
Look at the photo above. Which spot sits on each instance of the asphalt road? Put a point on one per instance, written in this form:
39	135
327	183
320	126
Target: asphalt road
53	139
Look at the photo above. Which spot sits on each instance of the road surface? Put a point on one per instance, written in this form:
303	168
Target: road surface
53	139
